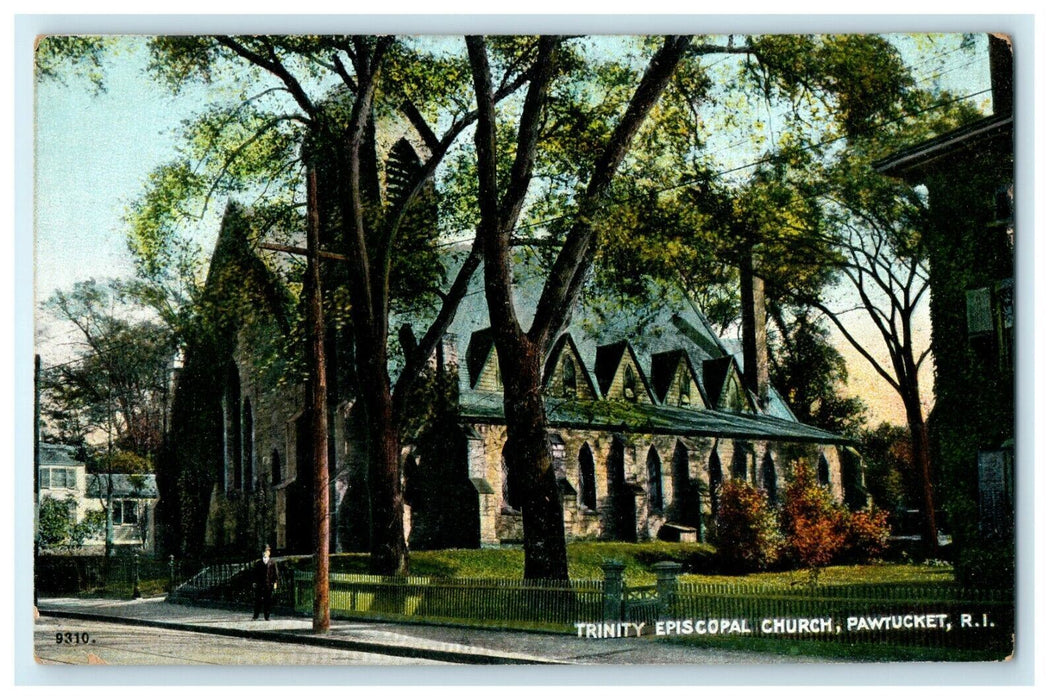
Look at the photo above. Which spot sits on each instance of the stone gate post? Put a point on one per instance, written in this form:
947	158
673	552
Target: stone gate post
666	585
612	590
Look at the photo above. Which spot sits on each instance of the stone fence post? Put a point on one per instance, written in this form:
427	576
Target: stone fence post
666	585
612	590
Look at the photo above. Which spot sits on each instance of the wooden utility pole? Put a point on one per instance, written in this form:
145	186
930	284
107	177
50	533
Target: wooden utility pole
317	402
317	409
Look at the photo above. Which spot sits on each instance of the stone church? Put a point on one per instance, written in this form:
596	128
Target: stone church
648	412
648	415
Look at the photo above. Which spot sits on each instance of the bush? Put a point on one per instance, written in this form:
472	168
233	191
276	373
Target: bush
747	532
867	535
815	526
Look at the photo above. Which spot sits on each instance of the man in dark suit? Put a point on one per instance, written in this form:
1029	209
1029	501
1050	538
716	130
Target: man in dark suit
265	582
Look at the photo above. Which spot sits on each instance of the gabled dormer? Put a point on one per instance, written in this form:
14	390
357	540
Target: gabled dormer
482	362
675	382
620	375
565	374
724	386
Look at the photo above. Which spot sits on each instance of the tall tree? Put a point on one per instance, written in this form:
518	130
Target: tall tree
117	382
366	211
876	229
521	352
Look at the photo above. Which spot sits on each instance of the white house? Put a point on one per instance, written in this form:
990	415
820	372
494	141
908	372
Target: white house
133	496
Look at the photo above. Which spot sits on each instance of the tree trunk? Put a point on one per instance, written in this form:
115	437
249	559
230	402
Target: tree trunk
529	463
921	460
388	546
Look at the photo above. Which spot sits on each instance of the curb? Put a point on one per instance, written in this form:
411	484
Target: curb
449	656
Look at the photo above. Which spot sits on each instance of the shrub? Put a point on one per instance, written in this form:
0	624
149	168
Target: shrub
815	526
54	521
867	535
747	532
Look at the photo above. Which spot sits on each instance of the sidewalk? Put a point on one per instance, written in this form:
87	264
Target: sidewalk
427	642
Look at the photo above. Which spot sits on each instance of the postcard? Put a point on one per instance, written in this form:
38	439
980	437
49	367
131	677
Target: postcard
571	349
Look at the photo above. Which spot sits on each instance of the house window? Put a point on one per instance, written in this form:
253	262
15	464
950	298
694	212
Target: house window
568	377
630	383
58	478
656	488
588	496
823	471
125	512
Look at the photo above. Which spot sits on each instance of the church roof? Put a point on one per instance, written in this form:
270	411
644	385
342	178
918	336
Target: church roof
628	417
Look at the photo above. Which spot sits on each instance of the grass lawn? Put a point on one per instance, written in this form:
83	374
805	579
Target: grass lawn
586	558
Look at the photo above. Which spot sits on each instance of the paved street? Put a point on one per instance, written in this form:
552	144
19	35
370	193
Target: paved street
155	632
123	644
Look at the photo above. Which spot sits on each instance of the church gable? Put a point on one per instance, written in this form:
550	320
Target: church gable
620	375
483	362
723	386
674	381
566	375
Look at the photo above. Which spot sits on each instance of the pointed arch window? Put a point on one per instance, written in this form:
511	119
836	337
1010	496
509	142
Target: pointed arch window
630	383
740	461
656	486
823	471
684	388
770	478
588	492
276	467
568	377
511	491
249	477
714	478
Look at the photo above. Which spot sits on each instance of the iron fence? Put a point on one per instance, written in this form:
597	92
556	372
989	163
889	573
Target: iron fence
506	602
57	574
930	615
946	616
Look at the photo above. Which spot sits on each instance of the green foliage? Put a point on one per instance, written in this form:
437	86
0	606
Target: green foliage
54	521
58	57
890	478
862	75
118	377
92	525
747	531
57	524
120	462
811	375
